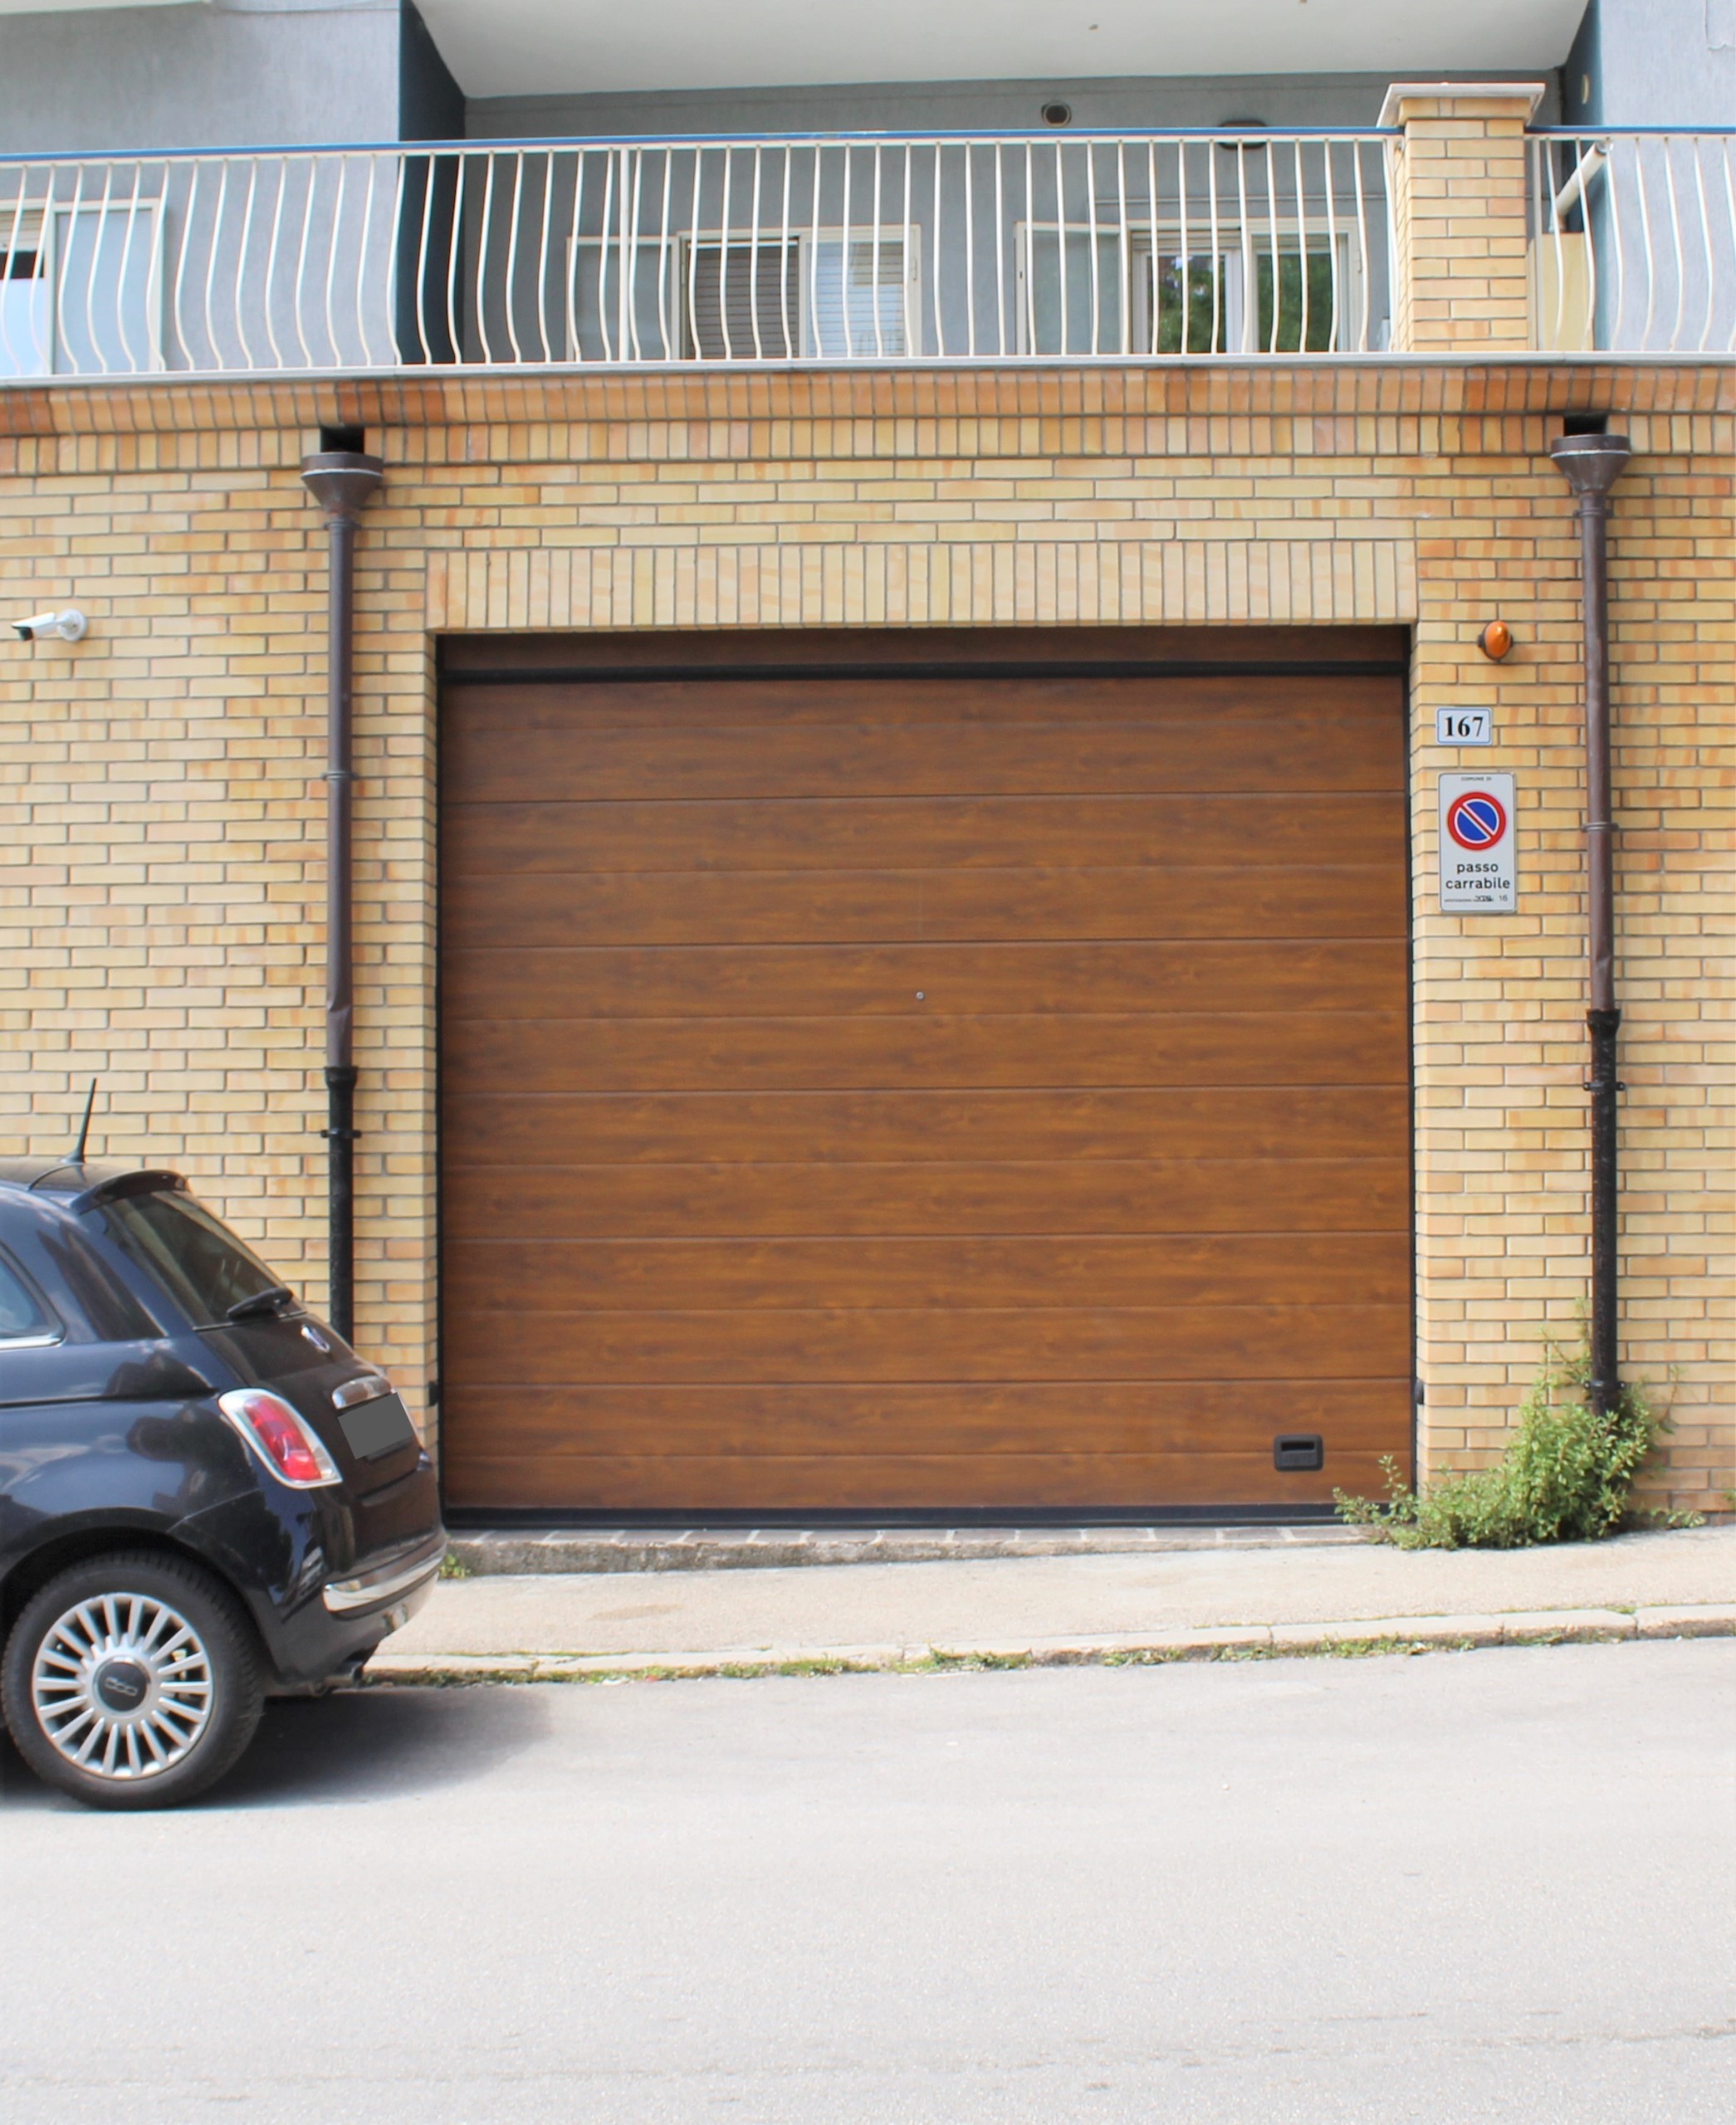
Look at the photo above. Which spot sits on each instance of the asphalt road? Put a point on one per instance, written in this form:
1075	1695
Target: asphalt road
1494	1885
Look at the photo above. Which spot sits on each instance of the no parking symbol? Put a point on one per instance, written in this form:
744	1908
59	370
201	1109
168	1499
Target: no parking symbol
1477	869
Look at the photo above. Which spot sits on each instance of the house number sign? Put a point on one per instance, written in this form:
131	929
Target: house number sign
1464	726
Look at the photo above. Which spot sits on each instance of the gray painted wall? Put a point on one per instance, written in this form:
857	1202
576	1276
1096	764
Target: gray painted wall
216	73
211	73
430	103
1653	62
1280	100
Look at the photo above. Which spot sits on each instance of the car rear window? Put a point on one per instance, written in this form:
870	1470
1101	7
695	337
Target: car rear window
20	1315
199	1262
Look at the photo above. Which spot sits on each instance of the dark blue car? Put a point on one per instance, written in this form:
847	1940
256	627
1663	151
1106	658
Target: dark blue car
206	1497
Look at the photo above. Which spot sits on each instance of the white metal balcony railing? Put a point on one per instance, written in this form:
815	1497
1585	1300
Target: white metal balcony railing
1633	241
864	250
849	249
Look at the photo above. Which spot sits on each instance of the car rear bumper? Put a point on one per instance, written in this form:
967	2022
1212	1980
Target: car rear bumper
309	1537
390	1586
315	1641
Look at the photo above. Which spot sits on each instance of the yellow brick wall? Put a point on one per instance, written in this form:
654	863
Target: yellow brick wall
163	861
1460	222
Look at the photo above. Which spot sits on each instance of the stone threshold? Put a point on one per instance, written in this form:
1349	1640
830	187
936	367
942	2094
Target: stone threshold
494	1551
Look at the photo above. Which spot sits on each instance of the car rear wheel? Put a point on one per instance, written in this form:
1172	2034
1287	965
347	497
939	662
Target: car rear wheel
131	1681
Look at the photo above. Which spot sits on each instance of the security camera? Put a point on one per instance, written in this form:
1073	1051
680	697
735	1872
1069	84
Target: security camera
70	626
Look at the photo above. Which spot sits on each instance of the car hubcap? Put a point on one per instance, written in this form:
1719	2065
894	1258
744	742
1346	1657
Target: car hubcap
122	1686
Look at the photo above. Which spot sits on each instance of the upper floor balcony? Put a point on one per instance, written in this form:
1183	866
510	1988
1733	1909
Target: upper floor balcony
1453	229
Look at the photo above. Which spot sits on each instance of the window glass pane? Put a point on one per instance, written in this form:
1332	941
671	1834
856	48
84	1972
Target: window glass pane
1190	303
19	1313
23	317
198	1261
1304	302
111	1312
858	300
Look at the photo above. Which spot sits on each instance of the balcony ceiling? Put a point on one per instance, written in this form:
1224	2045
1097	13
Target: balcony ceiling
519	47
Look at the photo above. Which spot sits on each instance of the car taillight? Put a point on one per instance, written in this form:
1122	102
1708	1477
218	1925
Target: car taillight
279	1438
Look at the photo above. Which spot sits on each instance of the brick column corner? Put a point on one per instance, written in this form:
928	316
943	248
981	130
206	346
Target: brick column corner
1460	225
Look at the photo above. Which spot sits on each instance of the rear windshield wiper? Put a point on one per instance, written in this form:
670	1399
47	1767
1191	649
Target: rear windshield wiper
273	1299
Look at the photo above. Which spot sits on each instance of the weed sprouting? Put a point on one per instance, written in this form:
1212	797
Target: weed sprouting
1566	1475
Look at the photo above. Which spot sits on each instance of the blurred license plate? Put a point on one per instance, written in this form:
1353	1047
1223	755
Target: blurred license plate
377	1428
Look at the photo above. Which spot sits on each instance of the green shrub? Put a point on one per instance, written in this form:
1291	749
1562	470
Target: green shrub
1567	1475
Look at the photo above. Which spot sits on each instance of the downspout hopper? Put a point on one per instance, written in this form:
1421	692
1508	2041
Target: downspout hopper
1592	464
343	482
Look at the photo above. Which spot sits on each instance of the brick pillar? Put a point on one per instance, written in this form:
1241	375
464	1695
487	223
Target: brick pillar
1458	180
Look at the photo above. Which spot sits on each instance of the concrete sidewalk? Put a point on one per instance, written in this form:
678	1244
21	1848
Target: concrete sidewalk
1198	1603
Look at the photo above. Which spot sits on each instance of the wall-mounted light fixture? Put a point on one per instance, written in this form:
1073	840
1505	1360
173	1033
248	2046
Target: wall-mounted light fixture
70	626
1495	640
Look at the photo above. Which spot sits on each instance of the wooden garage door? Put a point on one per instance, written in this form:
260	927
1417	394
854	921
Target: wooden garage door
958	1084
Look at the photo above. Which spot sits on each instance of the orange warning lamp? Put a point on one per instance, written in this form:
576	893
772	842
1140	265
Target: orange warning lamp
1495	640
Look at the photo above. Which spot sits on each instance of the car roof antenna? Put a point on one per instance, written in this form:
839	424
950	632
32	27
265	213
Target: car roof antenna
84	1132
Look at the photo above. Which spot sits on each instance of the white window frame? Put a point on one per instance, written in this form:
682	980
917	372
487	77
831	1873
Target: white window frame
671	257
47	229
1237	246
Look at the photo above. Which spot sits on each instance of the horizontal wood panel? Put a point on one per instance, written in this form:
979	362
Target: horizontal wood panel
1210	1342
693	1485
565	1276
734	1217
812	981
754	907
1263	1121
914	833
538	761
1181	1194
1116	1416
1294	1047
787	710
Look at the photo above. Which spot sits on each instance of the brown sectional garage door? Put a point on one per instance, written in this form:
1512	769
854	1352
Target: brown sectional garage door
964	1083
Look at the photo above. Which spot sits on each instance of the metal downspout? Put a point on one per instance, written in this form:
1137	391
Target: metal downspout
1592	464
343	482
